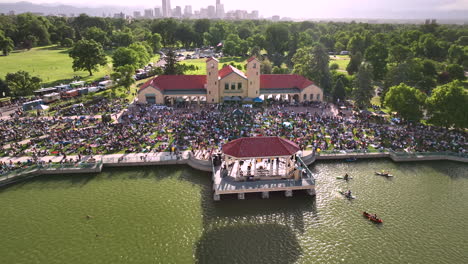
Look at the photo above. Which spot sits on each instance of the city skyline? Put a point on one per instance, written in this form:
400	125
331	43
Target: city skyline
304	9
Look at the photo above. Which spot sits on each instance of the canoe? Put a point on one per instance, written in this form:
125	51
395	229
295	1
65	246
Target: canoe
372	218
342	178
383	174
343	193
351	159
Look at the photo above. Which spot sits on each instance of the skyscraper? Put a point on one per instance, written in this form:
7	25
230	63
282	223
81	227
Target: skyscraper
188	11
211	12
166	8
157	12
219	9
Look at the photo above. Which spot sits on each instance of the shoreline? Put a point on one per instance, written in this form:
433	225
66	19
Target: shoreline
186	158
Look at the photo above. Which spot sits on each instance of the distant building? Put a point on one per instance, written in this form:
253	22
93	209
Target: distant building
188	11
149	13
177	12
166	8
11	13
254	14
137	14
211	11
157	12
219	10
119	15
275	18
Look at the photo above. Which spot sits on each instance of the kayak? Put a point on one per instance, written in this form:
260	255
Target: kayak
383	174
342	178
372	218
344	194
351	159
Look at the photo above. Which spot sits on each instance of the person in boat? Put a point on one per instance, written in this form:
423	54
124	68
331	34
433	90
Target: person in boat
346	177
348	193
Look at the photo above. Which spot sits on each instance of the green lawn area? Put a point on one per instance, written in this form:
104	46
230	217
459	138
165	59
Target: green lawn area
201	64
52	64
341	60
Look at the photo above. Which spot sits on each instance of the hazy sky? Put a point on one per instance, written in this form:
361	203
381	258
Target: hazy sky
307	8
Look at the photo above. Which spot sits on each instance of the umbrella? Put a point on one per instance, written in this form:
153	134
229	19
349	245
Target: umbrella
247	99
41	107
257	100
237	112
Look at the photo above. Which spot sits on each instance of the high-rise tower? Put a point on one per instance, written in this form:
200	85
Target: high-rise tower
166	8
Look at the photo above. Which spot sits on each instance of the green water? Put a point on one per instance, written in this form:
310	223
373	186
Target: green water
166	215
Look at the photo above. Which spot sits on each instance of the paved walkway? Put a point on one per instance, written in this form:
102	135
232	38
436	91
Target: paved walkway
111	158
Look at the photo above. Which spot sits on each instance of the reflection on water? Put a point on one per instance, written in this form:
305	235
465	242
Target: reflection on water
167	215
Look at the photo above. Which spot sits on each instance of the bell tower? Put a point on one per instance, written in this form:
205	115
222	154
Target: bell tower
253	76
212	82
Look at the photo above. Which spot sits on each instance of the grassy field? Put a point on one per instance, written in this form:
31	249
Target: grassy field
341	60
201	64
51	63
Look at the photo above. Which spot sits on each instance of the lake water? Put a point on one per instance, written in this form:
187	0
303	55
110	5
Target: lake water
167	215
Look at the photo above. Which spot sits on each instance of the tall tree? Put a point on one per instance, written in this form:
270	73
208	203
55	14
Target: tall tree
143	50
354	63
22	83
125	56
6	44
377	56
363	89
448	106
313	63
456	72
98	35
123	76
172	66
339	92
4	89
155	42
87	55
276	37
399	53
407	101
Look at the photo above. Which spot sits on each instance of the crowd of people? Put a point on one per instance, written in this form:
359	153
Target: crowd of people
146	128
96	107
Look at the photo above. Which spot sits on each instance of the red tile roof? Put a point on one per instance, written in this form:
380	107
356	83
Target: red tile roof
251	59
228	70
279	81
211	58
177	82
260	147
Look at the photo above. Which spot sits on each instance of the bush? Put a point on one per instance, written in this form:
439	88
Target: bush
334	67
67	43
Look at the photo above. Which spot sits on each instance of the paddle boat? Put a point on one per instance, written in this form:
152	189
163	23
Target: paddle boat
385	174
372	217
347	194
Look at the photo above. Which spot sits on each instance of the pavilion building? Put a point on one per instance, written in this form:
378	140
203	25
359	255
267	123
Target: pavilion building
260	165
228	84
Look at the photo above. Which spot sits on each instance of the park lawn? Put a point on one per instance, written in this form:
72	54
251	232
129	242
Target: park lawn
341	60
200	64
51	63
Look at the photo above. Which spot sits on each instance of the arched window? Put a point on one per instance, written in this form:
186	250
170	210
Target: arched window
255	65
212	65
305	96
311	97
318	97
